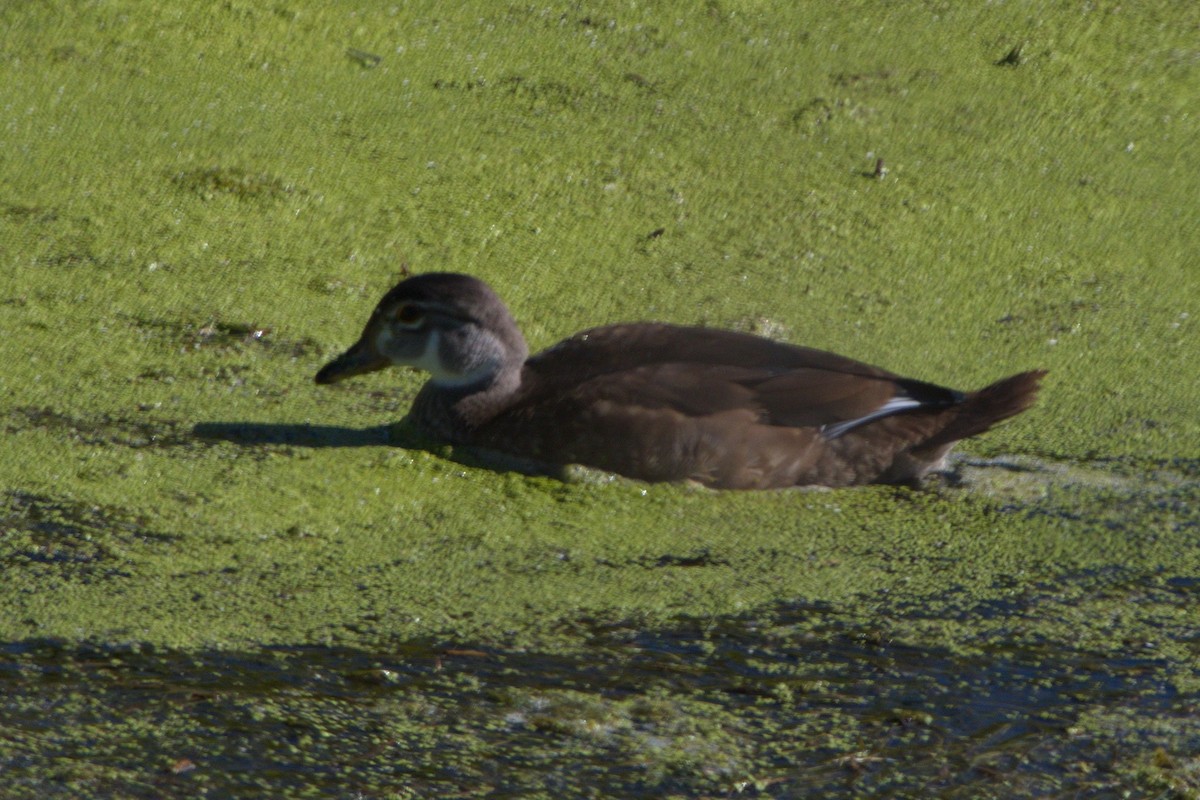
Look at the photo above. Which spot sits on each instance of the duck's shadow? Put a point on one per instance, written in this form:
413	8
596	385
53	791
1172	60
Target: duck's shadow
402	434
260	433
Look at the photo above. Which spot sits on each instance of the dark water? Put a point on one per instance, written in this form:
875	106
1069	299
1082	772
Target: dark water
805	706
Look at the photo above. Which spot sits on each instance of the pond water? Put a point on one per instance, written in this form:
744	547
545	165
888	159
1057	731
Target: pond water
806	704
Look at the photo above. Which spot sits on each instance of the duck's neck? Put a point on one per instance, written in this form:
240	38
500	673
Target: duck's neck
475	370
454	411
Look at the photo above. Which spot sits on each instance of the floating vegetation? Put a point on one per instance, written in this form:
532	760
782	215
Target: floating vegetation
21	213
210	182
806	706
543	94
76	540
102	429
363	58
218	335
1014	57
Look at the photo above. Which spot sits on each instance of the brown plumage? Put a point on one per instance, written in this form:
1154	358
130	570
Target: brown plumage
666	402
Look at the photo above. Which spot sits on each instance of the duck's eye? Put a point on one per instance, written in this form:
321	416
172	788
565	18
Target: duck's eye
409	316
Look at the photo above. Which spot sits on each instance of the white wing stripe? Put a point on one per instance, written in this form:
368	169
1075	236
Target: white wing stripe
892	406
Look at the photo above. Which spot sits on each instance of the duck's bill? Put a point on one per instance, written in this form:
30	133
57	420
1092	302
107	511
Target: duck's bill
359	359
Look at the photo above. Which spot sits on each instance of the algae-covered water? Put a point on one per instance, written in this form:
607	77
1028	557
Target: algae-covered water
219	579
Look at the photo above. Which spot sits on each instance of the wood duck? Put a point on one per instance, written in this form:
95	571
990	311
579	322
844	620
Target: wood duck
660	402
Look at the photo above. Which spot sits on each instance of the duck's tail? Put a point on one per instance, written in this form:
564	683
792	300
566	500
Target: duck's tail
980	410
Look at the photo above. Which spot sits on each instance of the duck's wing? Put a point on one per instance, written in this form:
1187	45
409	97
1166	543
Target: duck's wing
721	425
728	410
700	372
620	347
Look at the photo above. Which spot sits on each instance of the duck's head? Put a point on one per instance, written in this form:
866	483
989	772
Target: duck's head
452	326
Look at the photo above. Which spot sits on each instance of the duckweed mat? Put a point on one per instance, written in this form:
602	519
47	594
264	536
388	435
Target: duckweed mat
217	578
797	704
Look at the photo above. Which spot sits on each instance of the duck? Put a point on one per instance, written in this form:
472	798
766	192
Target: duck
661	402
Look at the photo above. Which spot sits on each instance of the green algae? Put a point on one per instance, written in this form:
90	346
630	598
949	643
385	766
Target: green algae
208	182
200	203
818	706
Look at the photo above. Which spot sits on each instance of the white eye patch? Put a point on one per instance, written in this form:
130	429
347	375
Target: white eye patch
430	360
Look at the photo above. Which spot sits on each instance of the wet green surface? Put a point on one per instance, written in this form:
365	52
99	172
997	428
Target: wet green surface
218	577
798	702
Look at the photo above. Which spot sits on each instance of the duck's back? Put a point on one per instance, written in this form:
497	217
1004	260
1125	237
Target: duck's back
726	409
